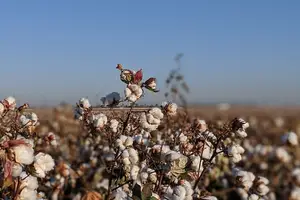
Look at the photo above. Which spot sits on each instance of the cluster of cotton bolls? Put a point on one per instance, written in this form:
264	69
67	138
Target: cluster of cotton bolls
182	191
255	187
151	120
21	164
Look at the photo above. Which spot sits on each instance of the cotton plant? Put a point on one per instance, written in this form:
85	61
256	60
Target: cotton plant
20	162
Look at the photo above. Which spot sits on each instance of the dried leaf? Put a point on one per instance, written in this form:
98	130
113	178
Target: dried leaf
138	77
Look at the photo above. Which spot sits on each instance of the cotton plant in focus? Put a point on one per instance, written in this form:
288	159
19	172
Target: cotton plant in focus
20	164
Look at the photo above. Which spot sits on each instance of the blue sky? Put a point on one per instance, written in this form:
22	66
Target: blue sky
233	50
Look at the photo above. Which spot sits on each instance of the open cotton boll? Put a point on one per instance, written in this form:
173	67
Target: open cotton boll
179	193
16	170
128	142
33	117
24	120
171	109
156	113
244	178
84	103
253	197
125	154
133	92
134	172
28	194
43	164
296	175
11	102
152	120
196	162
207	150
290	138
261	187
236	158
126	161
145	125
144	177
23	154
28	181
127	92
295	194
100	120
114	125
282	155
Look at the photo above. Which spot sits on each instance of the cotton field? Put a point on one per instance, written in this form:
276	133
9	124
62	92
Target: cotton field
160	153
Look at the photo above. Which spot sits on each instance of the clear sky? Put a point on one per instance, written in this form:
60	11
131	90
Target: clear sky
233	50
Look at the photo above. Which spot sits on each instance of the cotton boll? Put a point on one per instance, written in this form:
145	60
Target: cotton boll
290	138
28	181
123	138
188	188
25	121
128	142
34	118
43	164
84	103
100	120
28	194
253	197
127	92
133	92
157	113
152	120
126	161
282	155
144	177
125	154
114	125
207	151
179	193
16	170
183	138
23	154
118	142
296	175
11	102
244	178
171	109
242	193
134	172
195	163
236	158
262	189
295	194
241	133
